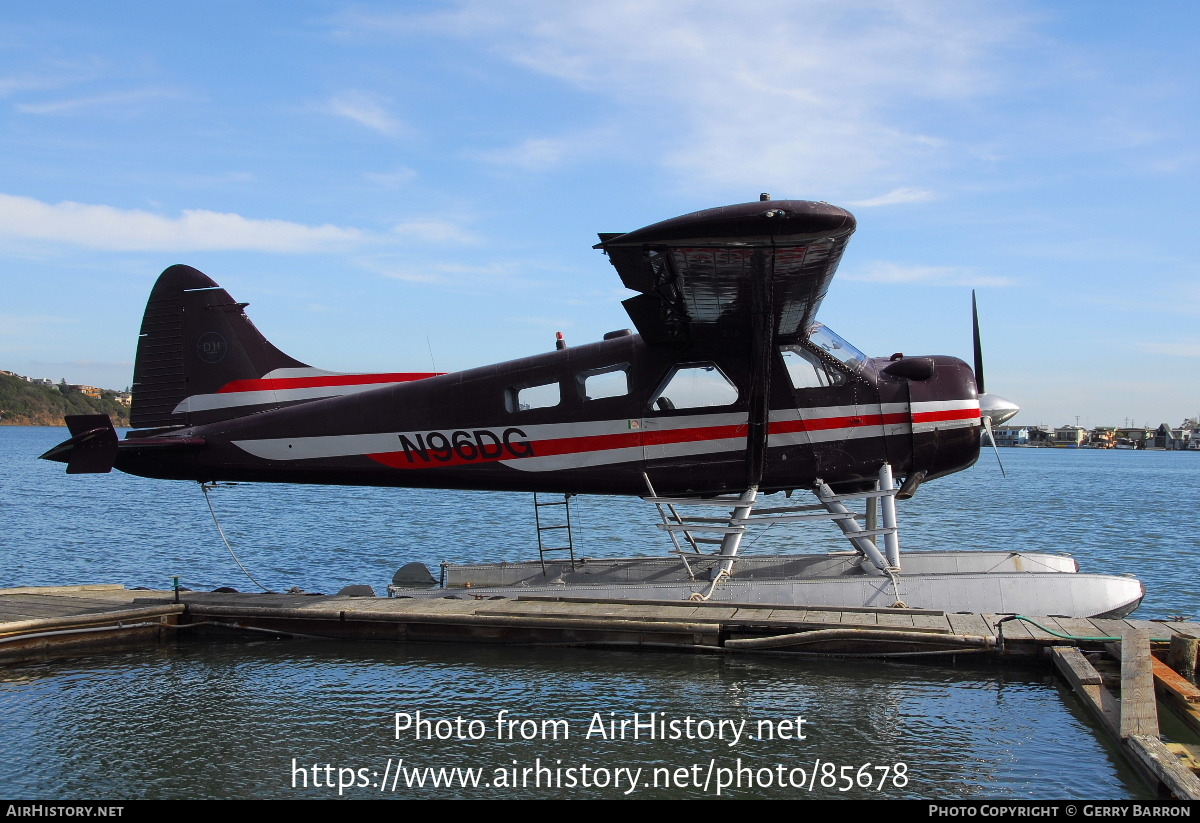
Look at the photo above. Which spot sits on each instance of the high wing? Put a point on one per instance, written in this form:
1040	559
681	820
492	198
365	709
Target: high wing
753	269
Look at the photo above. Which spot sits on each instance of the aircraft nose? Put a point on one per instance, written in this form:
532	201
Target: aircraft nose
996	408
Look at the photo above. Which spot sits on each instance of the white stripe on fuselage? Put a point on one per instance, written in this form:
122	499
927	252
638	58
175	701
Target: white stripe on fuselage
237	399
346	445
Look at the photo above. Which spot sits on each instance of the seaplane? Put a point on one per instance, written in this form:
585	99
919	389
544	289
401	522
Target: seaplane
726	392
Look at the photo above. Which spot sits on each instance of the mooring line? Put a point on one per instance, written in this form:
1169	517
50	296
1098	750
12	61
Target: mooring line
204	488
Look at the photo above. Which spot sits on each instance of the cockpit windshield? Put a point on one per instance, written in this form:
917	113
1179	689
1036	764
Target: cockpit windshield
828	340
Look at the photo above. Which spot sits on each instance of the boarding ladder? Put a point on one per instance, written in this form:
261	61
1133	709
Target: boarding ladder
562	524
831	506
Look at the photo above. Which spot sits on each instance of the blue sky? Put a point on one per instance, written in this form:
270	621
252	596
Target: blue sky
418	185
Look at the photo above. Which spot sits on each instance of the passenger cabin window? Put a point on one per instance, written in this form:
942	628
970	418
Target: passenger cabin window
598	384
807	371
542	396
693	387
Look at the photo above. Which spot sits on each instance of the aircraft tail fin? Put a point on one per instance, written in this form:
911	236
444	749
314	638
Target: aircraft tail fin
196	343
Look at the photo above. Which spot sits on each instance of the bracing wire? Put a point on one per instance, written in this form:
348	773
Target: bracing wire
204	487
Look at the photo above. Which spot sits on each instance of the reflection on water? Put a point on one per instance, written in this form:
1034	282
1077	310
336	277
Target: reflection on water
227	719
234	720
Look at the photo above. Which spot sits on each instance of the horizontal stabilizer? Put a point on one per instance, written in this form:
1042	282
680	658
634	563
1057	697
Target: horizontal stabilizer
92	448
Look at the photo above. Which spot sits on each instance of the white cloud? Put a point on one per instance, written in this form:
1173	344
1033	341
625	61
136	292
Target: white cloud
433	231
900	274
115	100
815	98
54	74
534	154
107	227
905	194
366	110
393	179
441	272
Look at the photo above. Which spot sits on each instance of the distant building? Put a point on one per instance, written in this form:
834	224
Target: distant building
90	391
1071	437
123	397
1010	436
1134	437
1103	437
1168	438
1041	436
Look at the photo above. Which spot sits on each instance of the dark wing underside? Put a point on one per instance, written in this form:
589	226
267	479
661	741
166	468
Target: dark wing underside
722	272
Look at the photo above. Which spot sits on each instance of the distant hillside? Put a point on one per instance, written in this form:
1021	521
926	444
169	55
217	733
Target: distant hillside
28	404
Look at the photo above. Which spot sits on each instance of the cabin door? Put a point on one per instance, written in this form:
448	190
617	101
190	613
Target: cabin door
694	433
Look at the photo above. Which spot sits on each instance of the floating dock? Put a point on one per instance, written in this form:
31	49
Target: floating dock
1114	666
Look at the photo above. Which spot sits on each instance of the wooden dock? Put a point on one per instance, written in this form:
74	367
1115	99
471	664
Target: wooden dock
1110	664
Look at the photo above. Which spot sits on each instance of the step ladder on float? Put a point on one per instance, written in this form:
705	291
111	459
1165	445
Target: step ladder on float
830	506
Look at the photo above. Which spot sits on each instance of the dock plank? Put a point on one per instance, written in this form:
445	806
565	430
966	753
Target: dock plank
761	614
1185	627
970	624
1046	629
1076	668
1013	629
895	621
860	619
1157	632
1078	627
430	605
31	611
929	621
1154	756
1139	710
1108	627
818	618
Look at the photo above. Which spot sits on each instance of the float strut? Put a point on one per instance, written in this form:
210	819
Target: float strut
887	503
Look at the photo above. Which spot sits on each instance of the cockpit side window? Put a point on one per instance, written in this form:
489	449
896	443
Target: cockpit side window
695	386
807	370
836	346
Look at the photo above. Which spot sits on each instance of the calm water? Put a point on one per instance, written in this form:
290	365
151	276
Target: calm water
252	719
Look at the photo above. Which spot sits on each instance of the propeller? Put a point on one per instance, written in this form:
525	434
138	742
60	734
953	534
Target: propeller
993	409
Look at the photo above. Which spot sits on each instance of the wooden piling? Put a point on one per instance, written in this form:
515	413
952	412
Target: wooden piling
1182	655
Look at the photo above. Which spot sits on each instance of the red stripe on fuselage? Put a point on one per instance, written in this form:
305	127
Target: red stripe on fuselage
656	437
849	422
279	383
943	416
563	445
